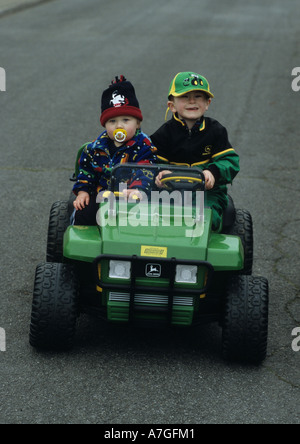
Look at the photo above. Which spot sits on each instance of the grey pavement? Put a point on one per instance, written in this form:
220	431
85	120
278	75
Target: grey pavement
9	6
58	57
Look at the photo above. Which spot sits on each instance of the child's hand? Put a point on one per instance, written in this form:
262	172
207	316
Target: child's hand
160	176
132	194
209	180
82	200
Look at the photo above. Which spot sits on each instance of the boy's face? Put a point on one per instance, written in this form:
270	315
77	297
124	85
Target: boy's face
190	106
127	123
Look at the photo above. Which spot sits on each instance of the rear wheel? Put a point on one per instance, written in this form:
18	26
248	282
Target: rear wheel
245	321
243	228
59	221
54	307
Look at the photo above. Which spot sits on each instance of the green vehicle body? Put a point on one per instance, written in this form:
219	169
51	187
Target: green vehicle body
85	244
144	265
161	244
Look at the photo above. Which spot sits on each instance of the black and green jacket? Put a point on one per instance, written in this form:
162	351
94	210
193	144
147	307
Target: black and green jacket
205	146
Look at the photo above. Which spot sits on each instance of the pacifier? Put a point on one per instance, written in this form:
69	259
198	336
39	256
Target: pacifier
120	135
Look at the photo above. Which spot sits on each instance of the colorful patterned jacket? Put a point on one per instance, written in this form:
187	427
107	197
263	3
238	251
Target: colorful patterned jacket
95	163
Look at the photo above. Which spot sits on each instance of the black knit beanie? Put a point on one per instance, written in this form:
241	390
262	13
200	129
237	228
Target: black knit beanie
119	100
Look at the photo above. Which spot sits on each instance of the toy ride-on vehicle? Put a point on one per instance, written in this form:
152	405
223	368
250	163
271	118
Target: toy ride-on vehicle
152	258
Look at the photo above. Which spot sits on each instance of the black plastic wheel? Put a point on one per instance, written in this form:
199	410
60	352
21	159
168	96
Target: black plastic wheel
245	321
54	307
243	228
59	221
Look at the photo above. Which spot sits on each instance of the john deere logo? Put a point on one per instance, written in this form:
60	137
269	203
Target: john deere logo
153	270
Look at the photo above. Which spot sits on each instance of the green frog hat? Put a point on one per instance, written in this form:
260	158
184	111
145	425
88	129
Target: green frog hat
185	82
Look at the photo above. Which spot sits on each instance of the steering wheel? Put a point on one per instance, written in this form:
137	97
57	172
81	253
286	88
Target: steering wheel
184	181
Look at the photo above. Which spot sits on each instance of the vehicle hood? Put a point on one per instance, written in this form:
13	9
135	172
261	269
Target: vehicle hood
147	231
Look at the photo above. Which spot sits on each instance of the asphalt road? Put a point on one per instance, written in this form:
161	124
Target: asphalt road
58	57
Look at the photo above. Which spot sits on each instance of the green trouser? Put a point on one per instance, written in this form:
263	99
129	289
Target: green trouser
217	200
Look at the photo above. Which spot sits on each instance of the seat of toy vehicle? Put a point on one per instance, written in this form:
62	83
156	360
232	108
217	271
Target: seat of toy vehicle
76	172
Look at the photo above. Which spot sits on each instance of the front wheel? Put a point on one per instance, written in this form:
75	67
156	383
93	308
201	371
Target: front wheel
245	320
54	307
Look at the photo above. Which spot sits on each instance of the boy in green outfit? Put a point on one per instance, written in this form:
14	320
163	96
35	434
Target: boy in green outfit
191	139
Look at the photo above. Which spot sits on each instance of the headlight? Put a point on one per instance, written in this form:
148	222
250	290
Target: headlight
186	274
120	269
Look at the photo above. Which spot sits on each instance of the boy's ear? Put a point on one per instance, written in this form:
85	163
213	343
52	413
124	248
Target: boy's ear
208	103
171	106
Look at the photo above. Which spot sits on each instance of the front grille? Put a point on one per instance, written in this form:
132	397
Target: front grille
141	299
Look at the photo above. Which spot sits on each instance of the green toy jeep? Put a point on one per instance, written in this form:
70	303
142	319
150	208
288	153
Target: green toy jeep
152	259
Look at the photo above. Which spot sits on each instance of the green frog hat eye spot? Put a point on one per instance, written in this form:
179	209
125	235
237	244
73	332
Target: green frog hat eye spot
193	80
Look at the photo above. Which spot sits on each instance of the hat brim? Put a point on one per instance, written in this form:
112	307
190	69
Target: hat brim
178	94
110	113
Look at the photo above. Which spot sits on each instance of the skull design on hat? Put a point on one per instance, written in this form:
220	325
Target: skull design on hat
118	99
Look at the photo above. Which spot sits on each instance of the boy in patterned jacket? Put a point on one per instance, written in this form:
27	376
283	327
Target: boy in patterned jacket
192	139
121	142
